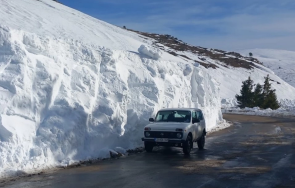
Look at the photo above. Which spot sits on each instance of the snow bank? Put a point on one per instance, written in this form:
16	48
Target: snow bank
281	112
63	101
149	52
286	104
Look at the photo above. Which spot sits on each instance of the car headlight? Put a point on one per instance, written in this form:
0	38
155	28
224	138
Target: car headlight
179	135
147	134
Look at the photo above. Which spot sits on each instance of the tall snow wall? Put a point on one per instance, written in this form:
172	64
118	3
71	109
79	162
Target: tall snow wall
62	101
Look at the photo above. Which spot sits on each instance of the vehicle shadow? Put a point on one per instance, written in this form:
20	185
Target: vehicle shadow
177	153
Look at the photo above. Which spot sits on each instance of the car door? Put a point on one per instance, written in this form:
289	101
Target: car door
195	124
202	122
200	125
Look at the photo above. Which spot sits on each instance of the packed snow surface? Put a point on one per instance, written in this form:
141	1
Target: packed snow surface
74	88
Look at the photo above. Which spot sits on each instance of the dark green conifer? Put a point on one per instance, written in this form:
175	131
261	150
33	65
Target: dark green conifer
266	86
258	98
262	97
271	101
246	97
270	97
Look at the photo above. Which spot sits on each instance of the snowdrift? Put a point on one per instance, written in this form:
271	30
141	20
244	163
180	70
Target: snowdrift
151	53
64	100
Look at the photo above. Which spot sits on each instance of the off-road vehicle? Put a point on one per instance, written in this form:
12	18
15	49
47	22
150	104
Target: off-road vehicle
176	127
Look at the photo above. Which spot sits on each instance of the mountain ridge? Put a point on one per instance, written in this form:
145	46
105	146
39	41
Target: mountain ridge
233	59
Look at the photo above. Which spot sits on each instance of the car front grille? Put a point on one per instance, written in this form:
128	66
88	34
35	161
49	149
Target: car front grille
160	134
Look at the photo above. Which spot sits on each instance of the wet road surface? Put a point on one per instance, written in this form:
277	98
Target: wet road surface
254	152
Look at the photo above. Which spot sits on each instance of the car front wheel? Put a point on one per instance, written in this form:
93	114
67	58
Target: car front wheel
187	146
148	146
201	142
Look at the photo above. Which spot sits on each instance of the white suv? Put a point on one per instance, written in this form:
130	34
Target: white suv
176	127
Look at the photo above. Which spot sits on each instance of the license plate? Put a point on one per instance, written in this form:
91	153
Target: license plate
161	139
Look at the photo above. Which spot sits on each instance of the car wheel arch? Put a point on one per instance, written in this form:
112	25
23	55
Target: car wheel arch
191	135
204	132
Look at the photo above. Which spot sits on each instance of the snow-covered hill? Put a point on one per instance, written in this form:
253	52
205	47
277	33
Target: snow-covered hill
73	87
229	69
281	62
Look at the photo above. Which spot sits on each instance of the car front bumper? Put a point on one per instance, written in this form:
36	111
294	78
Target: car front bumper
171	142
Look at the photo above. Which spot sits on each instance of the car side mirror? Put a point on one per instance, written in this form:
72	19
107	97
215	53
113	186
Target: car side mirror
151	120
196	121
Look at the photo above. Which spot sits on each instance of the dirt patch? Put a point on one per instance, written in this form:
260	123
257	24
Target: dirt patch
202	167
248	170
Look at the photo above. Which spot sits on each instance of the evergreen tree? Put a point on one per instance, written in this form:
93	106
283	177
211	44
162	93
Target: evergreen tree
263	96
246	97
270	97
271	101
266	86
258	97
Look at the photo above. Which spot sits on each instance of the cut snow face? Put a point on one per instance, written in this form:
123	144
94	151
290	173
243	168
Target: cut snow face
77	88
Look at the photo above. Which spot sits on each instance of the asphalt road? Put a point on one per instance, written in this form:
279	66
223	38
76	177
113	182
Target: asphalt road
254	152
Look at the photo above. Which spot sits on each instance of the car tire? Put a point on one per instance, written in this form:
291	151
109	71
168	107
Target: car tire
187	146
201	142
148	146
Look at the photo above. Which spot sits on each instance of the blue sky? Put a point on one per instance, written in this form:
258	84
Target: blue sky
222	24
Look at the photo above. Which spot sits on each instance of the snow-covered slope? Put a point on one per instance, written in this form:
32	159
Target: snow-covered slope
229	69
230	80
73	87
281	62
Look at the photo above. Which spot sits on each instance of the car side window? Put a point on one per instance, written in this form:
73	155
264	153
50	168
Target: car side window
200	115
162	116
195	116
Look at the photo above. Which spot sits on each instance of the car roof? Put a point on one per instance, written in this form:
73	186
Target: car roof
188	109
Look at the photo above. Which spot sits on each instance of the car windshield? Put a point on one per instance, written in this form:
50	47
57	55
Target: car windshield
173	116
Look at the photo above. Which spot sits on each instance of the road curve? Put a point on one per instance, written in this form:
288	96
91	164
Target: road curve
254	152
